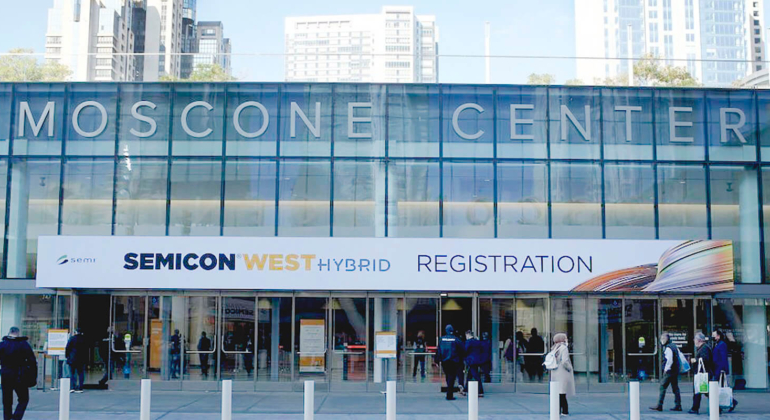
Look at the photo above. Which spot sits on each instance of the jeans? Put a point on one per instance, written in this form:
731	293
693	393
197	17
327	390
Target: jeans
77	377
673	380
450	371
421	361
563	404
473	375
22	393
205	365
175	365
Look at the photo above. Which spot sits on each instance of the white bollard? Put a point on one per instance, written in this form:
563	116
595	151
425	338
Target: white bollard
390	401
64	399
714	400
227	400
473	400
144	410
633	400
309	399
554	400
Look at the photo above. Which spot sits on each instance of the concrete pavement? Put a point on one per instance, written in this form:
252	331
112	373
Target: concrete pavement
124	405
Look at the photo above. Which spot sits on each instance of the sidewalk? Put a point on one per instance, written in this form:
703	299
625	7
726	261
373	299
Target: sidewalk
118	405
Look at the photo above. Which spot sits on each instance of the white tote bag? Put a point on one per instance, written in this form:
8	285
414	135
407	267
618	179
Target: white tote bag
701	379
725	393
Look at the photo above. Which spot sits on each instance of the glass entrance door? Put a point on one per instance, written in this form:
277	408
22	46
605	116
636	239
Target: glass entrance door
311	320
678	319
496	325
348	356
642	347
238	323
127	343
532	343
199	362
274	343
568	316
606	358
423	371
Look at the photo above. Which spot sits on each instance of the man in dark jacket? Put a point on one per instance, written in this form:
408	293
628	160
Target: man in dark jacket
19	368
721	362
449	354
671	370
486	364
77	357
175	350
703	354
204	345
534	363
474	357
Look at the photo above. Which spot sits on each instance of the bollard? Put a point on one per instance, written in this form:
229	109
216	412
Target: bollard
714	400
144	410
227	400
309	399
633	400
473	400
64	399
390	401
555	400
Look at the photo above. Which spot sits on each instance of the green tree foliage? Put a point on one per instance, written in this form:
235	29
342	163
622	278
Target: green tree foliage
574	82
649	71
26	68
204	73
541	79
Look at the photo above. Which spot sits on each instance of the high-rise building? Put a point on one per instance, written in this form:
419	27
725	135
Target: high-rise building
719	42
138	26
92	38
189	32
393	46
163	39
213	47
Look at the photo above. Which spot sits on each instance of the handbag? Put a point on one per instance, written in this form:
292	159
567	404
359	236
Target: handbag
701	379
28	374
684	365
725	393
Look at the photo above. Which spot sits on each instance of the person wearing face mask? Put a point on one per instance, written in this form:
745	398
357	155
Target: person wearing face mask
670	374
563	374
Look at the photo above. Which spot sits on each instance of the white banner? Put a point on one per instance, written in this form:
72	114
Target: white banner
383	264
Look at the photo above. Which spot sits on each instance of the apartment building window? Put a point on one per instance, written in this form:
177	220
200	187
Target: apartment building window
653	15
690	37
653	32
55	40
103	73
104	40
53	50
104	62
103	50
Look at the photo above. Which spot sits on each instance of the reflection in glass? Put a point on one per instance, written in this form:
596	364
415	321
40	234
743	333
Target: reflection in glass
204	105
630	201
522	122
496	325
195	198
726	110
201	339
627	130
605	319
386	315
642	339
39	97
137	137
365	104
129	325
165	348
348	364
310	346
359	194
250	198
274	339
683	136
422	324
413	199
468	121
303	198
575	130
468	200
677	320
96	136
576	200
413	120
531	339
238	342
682	202
261	133
522	190
568	315
140	197
311	138
744	324
87	204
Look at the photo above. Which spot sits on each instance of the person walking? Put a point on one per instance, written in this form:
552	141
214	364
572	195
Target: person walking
449	354
486	364
670	374
175	350
204	345
419	358
110	349
76	354
702	354
534	362
564	372
18	373
721	362
474	358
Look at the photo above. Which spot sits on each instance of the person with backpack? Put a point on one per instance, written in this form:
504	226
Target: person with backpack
671	369
76	353
18	374
449	354
559	363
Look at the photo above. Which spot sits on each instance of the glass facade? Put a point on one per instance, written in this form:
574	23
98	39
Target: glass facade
339	160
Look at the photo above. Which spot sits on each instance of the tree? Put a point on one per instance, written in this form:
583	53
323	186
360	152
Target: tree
21	66
574	82
541	79
203	73
649	71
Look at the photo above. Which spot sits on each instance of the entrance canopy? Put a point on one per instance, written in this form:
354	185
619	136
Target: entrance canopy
219	263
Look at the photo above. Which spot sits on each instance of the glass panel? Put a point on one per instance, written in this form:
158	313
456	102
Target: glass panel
310	338
735	216
422	324
627	124
576	194
87	205
104	363
362	109
744	324
413	199
386	315
682	202
531	325
128	324
140	197
250	198
34	101
703	321
34	211
200	132
605	320
238	334
496	325
679	124
195	198
731	126
677	320
568	316
468	125
575	115
93	131
642	344
413	121
314	102
200	339
147	136
32	314
522	122
468	200
3	191
274	340
348	362
165	341
254	133
630	201
766	215
522	203
5	117
304	198
359	194
763	103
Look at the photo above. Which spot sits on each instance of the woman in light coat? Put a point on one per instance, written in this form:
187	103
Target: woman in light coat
563	374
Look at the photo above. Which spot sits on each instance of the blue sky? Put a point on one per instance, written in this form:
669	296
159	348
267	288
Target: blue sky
519	27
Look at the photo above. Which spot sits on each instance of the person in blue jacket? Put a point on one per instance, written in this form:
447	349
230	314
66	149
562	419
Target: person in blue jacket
721	363
486	364
474	358
449	354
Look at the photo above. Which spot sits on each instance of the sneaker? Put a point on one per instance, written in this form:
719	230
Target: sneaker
79	391
656	408
735	404
564	414
72	391
692	411
677	408
450	398
481	395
